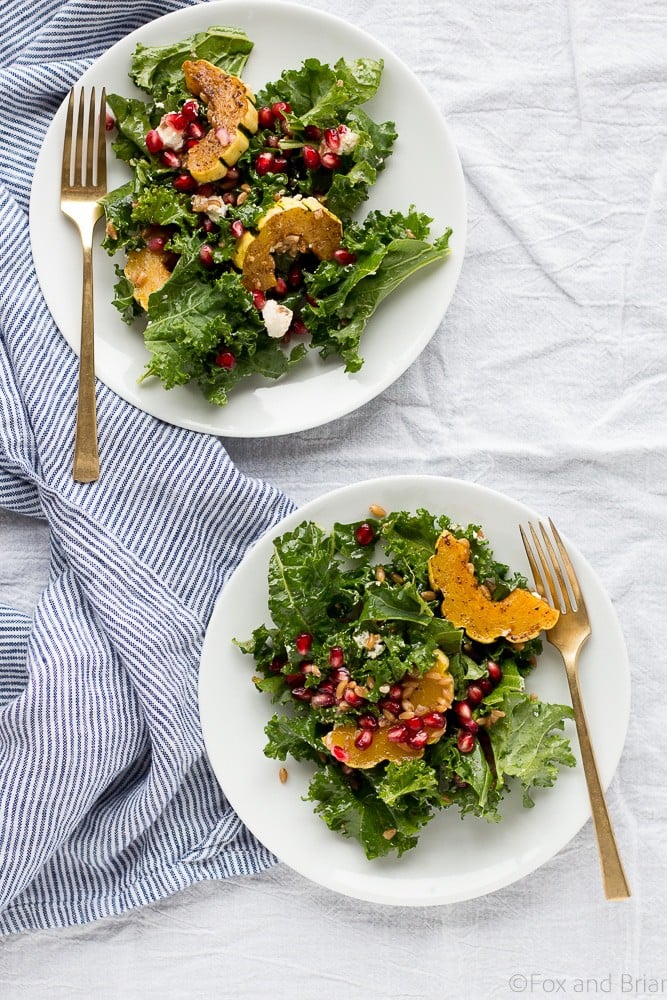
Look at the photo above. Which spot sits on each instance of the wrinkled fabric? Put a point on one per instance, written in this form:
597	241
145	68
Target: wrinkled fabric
107	800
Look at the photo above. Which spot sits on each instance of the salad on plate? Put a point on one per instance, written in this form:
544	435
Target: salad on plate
398	652
243	246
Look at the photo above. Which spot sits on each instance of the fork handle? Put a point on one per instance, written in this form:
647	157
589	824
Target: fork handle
613	876
86	456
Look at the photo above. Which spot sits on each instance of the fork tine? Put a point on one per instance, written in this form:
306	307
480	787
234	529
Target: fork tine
557	570
78	149
90	141
67	144
534	568
545	567
571	575
102	142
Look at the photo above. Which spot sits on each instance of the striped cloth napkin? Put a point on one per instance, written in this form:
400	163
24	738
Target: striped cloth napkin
106	798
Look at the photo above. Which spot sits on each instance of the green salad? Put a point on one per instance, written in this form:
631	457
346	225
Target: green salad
243	246
399	711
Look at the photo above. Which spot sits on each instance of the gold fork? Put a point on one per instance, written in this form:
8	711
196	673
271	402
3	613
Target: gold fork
83	183
568	636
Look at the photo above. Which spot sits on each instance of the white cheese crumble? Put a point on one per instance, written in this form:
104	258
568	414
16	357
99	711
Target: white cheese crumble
213	206
171	137
277	318
371	643
348	139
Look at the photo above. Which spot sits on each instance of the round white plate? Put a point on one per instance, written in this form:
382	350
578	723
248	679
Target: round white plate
455	859
424	169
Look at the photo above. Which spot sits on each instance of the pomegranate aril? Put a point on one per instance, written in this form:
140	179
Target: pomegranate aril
396	692
340	753
233	174
323	699
298	327
264	163
280	287
280	109
494	671
190	110
466	742
229	198
332	139
153	141
208	225
485	685
206	255
418	740
475	693
265	118
176	120
340	674
294	276
190	144
237	228
336	656
184	182
463	710
168	158
302	694
364	534
472	727
156	244
109	122
293	679
397	734
303	643
313	132
311	157
434	720
279	164
276	664
325	686
273	141
391	706
367	722
414	725
352	698
344	257
363	740
331	161
194	130
226	360
258	299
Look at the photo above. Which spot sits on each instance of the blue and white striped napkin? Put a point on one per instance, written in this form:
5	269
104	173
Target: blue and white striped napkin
106	798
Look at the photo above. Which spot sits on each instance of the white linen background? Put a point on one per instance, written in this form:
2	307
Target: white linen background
548	381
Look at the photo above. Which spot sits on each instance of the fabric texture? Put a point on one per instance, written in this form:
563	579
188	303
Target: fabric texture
106	797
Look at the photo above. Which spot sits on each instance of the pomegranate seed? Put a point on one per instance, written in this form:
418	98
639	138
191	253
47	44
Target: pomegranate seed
206	255
310	157
294	276
485	685
391	706
364	534
311	301
313	132
264	163
190	144
363	740
326	686
332	139
258	299
276	664
109	122
352	698
195	131
154	142
434	720
206	190
340	754
336	656
303	643
495	673
341	674
226	360
280	286
176	120
273	141
397	734
237	228
190	110
233	174
298	327
293	679
395	692
184	182
229	198
344	257
323	699
280	109
464	711
414	725
458	781
367	722
418	740
475	694
472	727
265	118
208	225
169	158
279	164
466	742
331	161
156	244
302	694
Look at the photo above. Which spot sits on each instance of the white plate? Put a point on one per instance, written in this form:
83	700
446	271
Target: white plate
455	859
424	169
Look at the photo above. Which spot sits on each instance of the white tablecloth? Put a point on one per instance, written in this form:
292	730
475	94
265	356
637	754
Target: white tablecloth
548	381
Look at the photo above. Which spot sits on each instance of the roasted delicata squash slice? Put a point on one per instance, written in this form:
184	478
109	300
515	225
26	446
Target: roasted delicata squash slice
292	226
230	109
148	272
431	695
520	616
